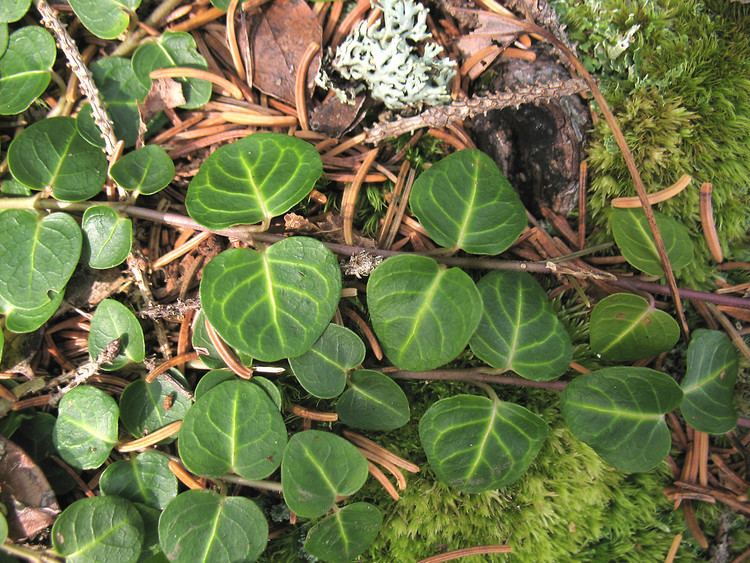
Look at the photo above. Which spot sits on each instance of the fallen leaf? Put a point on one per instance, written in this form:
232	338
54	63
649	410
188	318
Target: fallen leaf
165	93
333	117
25	492
489	29
282	33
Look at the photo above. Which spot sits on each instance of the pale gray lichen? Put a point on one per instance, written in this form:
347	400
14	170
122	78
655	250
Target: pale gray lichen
386	59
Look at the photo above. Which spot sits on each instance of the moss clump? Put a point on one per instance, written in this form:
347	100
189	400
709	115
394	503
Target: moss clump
677	75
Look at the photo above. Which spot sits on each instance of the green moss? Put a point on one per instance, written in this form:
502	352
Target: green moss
677	75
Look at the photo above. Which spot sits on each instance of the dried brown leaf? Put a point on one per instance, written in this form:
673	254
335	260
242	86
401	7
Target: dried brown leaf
489	30
165	93
334	117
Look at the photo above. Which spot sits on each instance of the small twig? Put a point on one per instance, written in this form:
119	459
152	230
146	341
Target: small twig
134	265
157	16
261	485
309	414
84	372
473	375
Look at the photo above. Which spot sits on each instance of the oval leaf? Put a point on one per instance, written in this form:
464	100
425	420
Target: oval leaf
519	330
217	376
204	527
144	479
37	256
317	468
464	202
113	320
345	534
322	370
25	68
108	237
28	320
107	19
619	412
633	237
272	304
148	170
253	180
373	401
13	10
708	385
477	444
170	50
99	529
86	427
145	407
234	427
51	153
3	47
423	313
624	327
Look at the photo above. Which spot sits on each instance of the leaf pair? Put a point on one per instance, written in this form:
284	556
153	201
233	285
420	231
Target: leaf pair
26	60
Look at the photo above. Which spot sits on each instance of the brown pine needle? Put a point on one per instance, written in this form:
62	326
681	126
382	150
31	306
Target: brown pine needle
181	250
657	197
357	13
387	465
300	84
469	551
184	476
477	57
226	354
199	20
187	72
170	363
372	340
309	414
367	444
380	477
583	170
259	120
708	223
151	439
672	553
351	193
234	48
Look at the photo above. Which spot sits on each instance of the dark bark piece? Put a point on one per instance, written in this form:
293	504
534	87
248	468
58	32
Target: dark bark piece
26	493
281	35
334	117
538	147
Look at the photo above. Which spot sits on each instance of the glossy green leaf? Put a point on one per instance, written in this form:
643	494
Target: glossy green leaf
519	331
51	153
114	320
151	551
28	320
217	376
3	38
619	411
708	385
373	401
423	313
145	479
272	304
204	527
322	370
252	180
170	50
2	343
148	170
3	527
478	444
121	91
145	407
12	187
25	68
317	468
221	4
345	534
108	237
99	529
464	202
633	237
234	427
86	427
37	256
13	10
107	19
624	327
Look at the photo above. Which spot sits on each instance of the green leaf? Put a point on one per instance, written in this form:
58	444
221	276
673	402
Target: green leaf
633	237
234	427
619	411
25	68
322	370
345	534
3	38
252	180
373	401
107	19
624	327
519	331
121	91
708	385
317	468
114	320
12	187
478	444
148	170
170	50
221	4
13	10
29	320
37	256
272	304
217	376
203	527
145	479
99	529
108	237
208	355
145	407
51	153
464	202
3	527
86	427
423	313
